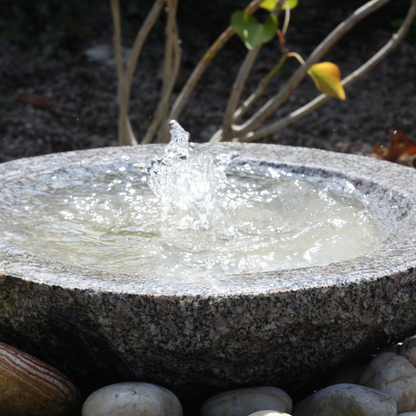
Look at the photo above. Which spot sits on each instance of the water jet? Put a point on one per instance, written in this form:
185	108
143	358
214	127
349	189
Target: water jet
198	333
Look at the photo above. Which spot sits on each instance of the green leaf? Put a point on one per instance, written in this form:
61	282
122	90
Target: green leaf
327	78
251	31
271	4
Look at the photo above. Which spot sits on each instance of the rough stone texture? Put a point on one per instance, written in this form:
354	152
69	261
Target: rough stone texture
241	402
347	400
395	376
286	328
132	399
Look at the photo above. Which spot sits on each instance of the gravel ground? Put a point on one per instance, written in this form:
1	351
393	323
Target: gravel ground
82	109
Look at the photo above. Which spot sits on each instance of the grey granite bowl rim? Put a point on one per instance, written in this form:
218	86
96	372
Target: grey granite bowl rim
396	259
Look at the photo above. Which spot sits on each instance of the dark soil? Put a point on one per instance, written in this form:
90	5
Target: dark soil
81	107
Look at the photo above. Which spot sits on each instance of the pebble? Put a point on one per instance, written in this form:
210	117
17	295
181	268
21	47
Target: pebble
395	376
132	399
243	402
269	413
408	350
347	400
29	386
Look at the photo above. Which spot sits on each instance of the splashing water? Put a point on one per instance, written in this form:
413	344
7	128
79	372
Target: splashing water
184	216
187	184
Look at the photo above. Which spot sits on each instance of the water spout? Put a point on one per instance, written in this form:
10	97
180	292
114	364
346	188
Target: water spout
187	184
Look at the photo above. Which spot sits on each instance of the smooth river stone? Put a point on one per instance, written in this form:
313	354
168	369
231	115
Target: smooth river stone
30	387
132	399
347	400
395	376
408	350
269	413
242	402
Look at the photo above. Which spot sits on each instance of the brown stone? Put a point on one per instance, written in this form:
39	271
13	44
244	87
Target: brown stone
29	386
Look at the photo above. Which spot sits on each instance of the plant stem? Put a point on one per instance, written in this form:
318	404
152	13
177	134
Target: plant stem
125	77
122	125
258	118
287	19
219	135
237	91
225	132
171	66
297	56
263	84
203	64
346	82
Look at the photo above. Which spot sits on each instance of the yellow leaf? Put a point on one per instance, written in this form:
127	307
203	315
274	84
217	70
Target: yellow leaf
271	4
327	78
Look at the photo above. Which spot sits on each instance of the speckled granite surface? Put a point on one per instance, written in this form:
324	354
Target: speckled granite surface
282	328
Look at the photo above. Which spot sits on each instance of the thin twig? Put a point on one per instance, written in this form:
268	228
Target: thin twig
224	133
244	107
346	82
237	90
259	90
287	19
139	41
265	81
218	136
203	64
171	66
126	136
171	72
258	118
115	11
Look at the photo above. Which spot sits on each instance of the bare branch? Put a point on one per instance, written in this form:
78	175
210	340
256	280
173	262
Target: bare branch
122	127
125	135
203	64
237	90
346	82
131	139
258	118
139	42
171	66
171	70
259	90
115	11
287	19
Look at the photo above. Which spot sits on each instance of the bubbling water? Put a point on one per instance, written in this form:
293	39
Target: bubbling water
187	185
190	214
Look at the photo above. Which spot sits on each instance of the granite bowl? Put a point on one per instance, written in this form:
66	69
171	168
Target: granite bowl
285	328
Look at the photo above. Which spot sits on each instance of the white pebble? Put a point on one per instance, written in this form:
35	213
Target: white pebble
408	350
132	399
269	413
395	376
243	402
347	400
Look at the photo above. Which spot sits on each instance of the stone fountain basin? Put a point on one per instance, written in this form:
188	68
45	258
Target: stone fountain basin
285	328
